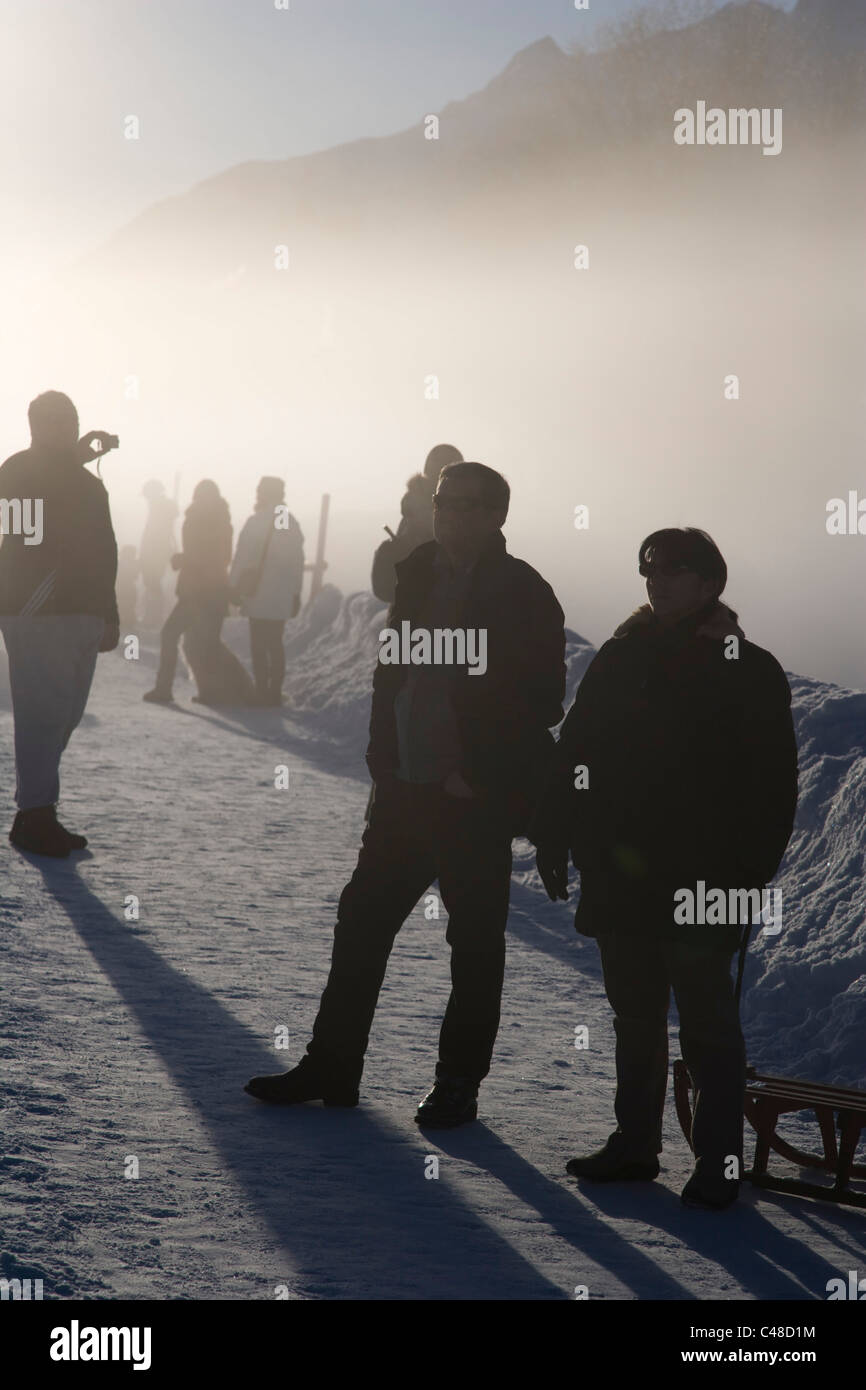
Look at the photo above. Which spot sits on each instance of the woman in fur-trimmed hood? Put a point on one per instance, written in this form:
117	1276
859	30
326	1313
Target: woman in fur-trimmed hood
676	764
416	521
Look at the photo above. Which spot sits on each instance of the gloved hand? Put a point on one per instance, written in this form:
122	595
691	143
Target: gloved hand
110	635
455	785
552	864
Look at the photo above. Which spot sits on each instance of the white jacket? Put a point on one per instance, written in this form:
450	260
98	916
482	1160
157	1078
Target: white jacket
283	572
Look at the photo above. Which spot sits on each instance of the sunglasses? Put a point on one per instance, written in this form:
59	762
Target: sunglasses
443	503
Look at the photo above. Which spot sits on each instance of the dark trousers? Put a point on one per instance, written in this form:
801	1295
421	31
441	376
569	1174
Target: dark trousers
154	603
417	833
203	620
639	972
173	629
268	654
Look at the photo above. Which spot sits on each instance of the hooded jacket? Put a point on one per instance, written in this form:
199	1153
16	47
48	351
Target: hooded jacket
415	528
282	565
74	567
503	716
690	770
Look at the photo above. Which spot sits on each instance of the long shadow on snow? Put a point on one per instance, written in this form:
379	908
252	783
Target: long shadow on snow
343	1191
747	1245
741	1241
574	1221
268	726
766	1261
549	927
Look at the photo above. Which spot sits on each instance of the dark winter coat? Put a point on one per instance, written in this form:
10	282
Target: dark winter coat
207	552
73	569
692	774
503	716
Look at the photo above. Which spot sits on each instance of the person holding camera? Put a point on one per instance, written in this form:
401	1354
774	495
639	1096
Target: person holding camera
58	565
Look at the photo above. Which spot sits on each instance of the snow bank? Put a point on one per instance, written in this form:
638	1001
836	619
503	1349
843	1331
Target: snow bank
805	1006
331	652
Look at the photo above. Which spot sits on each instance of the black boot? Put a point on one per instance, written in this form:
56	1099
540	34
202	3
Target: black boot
614	1163
75	841
709	1190
37	831
453	1101
304	1082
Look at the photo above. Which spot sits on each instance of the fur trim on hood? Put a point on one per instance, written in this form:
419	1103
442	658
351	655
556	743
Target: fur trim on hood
418	483
418	496
720	623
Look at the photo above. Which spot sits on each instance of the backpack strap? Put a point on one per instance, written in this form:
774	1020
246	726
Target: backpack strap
260	568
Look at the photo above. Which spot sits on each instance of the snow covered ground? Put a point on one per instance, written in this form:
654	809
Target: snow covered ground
129	1039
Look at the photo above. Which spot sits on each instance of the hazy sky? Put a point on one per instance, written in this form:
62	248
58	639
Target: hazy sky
217	82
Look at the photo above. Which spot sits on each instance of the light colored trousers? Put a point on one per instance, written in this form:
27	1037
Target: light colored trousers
51	665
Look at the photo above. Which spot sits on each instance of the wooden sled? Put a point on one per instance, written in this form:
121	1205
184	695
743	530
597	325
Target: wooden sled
768	1097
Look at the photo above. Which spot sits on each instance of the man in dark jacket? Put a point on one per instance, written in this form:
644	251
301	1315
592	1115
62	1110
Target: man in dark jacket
675	774
57	605
457	753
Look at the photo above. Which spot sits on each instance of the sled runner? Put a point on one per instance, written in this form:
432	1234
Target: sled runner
768	1097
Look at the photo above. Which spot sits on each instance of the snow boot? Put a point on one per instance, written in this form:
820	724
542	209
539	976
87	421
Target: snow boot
75	841
304	1082
453	1101
709	1193
614	1163
37	831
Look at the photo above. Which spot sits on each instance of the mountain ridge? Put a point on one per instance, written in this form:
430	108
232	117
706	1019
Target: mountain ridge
548	108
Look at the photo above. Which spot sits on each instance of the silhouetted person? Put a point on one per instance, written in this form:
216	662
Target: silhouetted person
202	591
457	755
676	766
416	521
127	587
155	550
57	606
266	579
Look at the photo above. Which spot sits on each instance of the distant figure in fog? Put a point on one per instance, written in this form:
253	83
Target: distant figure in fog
127	587
416	521
57	606
202	605
457	756
675	766
265	580
155	551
